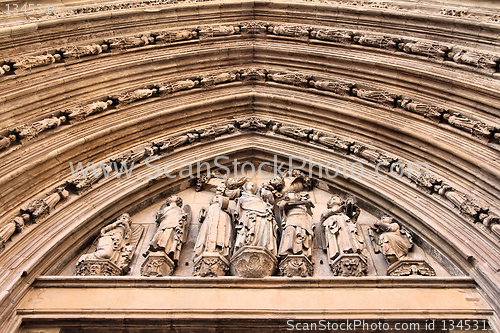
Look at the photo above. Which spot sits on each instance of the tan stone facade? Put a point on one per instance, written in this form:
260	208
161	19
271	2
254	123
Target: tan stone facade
370	87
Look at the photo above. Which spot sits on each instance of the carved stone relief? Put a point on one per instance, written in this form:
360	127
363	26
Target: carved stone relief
114	250
173	221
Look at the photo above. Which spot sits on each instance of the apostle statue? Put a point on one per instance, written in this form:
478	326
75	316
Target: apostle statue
393	242
215	238
173	220
297	238
255	223
341	239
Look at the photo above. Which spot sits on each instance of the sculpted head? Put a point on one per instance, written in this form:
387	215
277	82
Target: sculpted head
251	187
335	201
175	199
277	182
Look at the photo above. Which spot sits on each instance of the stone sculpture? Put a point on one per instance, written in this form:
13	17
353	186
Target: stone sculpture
124	43
395	244
339	36
30	131
135	95
76	52
429	111
290	30
169	144
426	49
83	182
15	226
341	239
29	62
253	124
255	247
114	250
337	86
330	141
173	221
215	238
39	208
291	131
296	245
82	112
174	36
382	42
6	141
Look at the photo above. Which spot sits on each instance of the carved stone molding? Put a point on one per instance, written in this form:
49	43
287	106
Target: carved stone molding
96	267
157	264
349	265
253	262
296	265
406	267
210	265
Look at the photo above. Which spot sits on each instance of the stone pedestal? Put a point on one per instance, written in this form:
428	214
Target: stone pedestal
296	265
406	267
210	264
253	262
157	264
95	267
349	265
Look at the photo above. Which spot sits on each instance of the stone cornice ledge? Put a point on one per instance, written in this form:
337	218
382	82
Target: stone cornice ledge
265	283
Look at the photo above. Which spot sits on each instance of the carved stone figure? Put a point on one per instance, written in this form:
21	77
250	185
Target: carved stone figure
392	241
31	131
135	95
256	235
216	182
210	80
73	52
254	28
253	74
175	36
114	250
215	131
373	156
377	96
341	240
426	49
124	43
35	61
82	112
6	141
253	124
295	181
468	206
173	221
215	238
298	235
339	36
429	111
82	183
128	158
169	88
382	42
292	131
218	30
170	144
290	30
14	226
475	127
295	79
477	59
337	86
4	69
255	223
332	142
39	208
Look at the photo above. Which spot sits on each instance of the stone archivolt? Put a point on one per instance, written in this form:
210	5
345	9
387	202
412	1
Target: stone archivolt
482	213
480	129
